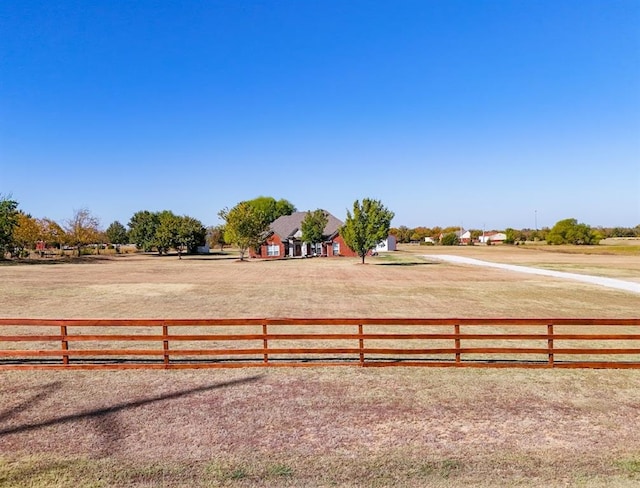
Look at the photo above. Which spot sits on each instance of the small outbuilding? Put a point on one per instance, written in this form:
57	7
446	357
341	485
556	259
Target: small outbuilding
389	244
494	237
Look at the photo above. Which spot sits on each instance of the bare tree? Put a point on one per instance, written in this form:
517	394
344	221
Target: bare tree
83	229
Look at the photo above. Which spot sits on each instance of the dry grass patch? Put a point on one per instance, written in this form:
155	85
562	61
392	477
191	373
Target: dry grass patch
147	286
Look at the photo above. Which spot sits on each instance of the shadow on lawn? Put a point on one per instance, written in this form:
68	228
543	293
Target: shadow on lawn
56	261
103	419
407	264
44	392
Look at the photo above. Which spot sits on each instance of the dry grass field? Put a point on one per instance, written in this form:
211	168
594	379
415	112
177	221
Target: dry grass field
320	426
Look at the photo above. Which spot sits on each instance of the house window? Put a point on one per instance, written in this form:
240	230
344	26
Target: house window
273	250
335	248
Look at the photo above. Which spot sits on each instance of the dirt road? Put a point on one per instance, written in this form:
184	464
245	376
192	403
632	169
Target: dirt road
596	280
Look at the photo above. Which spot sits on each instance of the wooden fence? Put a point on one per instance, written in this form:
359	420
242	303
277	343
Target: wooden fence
274	342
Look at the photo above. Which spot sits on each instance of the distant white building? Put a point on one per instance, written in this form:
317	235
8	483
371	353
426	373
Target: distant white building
494	237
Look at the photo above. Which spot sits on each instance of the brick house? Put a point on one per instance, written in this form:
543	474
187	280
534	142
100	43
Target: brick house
284	239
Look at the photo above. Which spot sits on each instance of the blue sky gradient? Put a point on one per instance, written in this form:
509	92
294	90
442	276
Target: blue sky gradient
476	113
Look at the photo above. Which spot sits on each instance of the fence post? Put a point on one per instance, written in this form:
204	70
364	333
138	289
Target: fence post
165	343
265	343
456	329
550	343
65	344
361	344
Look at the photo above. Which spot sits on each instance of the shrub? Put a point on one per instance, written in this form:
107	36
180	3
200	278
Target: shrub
450	239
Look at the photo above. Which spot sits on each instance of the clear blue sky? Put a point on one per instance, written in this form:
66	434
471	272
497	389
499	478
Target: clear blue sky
476	113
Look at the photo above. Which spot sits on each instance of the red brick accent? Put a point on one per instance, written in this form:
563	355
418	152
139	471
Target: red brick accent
272	240
344	249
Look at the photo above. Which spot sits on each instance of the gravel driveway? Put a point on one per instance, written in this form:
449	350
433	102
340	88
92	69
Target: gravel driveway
594	280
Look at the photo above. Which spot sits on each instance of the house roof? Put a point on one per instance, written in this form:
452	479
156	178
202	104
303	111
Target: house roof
287	225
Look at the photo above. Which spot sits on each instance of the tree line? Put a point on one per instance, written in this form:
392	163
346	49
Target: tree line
566	231
245	226
20	233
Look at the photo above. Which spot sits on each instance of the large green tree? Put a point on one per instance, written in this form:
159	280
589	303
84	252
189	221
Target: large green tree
270	208
569	231
244	226
166	234
510	235
165	230
8	222
191	234
313	226
367	226
142	229
117	233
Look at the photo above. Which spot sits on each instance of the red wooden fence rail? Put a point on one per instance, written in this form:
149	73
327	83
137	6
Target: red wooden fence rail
215	343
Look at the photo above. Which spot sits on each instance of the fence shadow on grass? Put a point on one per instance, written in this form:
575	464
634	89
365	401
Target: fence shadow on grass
58	261
104	419
34	262
44	392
